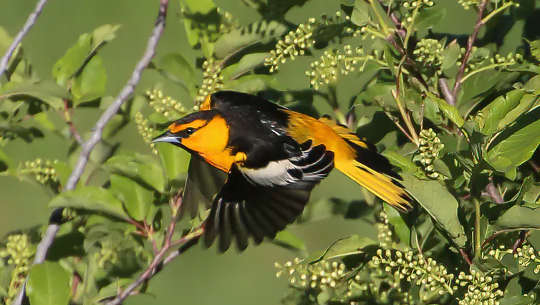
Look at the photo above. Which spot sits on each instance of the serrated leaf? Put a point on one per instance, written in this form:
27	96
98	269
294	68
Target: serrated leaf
489	117
104	33
91	83
351	245
244	65
199	6
429	17
448	110
72	60
175	161
519	218
90	198
48	284
516	144
535	49
136	198
439	204
450	55
360	13
290	241
141	168
238	39
46	91
178	69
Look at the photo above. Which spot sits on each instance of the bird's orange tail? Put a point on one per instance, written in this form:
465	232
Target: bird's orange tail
370	169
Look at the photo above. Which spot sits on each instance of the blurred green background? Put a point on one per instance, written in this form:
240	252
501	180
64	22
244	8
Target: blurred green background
200	276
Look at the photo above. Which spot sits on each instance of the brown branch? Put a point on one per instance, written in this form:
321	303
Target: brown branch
30	21
447	93
519	242
88	146
69	122
159	259
468	50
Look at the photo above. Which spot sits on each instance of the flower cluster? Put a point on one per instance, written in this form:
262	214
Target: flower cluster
430	146
165	105
429	52
414	6
432	277
339	62
144	129
467	4
526	255
293	44
481	289
18	252
320	275
481	60
42	170
212	80
384	232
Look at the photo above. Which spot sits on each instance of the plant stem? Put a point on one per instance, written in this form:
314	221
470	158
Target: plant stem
495	12
477	236
470	43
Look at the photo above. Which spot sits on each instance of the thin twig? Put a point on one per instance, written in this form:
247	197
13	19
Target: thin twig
26	27
468	50
519	242
69	122
447	93
89	145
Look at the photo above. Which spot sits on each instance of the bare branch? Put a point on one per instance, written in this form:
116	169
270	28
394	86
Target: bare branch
89	145
447	93
26	27
468	50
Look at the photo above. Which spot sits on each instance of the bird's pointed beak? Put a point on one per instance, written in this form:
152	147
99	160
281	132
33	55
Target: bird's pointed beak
167	137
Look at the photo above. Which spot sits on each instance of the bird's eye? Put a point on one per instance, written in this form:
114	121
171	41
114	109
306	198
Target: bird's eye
190	130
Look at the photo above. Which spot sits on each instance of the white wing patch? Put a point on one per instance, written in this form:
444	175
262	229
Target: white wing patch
312	165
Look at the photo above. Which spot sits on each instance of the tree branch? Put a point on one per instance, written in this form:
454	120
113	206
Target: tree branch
468	50
95	138
158	262
26	27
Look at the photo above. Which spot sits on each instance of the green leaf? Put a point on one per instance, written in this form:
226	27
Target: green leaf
136	198
519	218
439	204
238	39
397	159
516	144
48	284
450	55
535	48
199	6
74	58
351	245
104	34
448	110
429	17
247	63
290	241
175	161
400	227
5	161
141	168
360	13
91	83
63	171
489	118
46	91
90	198
178	69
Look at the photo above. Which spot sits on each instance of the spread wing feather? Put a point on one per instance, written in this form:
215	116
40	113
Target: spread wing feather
258	203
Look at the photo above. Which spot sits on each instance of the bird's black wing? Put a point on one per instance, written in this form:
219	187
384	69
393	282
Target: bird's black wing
258	203
202	183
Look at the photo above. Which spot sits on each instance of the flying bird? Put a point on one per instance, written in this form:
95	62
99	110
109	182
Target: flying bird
273	157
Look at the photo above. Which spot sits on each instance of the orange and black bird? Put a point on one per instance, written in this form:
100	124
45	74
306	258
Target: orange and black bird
273	158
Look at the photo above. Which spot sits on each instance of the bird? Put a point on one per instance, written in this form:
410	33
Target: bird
272	158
